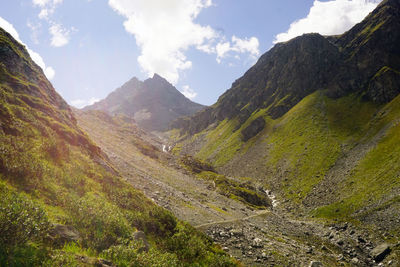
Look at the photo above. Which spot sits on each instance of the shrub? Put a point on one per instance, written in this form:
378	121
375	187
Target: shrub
21	220
57	149
100	222
131	255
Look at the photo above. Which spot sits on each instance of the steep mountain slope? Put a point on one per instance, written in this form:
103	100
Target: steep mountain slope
153	103
363	60
62	203
316	121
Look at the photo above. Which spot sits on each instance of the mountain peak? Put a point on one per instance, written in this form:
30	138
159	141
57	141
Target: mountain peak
157	77
153	103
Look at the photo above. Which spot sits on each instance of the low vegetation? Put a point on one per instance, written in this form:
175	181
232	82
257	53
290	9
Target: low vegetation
53	177
242	191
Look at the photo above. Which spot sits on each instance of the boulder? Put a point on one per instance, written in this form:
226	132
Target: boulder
380	252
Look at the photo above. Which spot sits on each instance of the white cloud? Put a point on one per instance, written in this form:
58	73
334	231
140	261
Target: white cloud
48	71
165	30
188	92
47	7
59	35
329	18
80	103
239	46
35	31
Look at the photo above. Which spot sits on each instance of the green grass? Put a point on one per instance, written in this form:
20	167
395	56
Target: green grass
374	177
307	142
51	172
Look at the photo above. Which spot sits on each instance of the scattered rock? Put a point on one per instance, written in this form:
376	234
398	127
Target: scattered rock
236	232
380	252
264	255
355	260
361	240
257	243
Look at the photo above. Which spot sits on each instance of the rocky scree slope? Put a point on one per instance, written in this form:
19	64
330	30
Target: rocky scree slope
225	208
331	152
153	103
62	203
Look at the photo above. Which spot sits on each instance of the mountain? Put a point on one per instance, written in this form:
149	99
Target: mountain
153	103
316	121
62	202
361	61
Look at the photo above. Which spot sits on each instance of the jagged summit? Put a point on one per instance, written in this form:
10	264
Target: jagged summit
364	60
153	103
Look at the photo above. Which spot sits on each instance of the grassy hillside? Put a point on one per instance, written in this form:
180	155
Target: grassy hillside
336	158
61	201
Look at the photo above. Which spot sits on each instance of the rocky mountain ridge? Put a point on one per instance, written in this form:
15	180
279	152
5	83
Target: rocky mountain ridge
364	60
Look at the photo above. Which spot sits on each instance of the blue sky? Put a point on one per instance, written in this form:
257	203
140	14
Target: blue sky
88	48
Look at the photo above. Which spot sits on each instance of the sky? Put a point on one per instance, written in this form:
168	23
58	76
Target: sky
88	48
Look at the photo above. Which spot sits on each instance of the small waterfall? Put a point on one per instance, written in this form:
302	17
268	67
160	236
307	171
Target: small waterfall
272	197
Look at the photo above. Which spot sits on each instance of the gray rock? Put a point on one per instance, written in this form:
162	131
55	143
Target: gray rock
141	237
264	255
355	260
316	264
64	233
236	232
380	252
340	242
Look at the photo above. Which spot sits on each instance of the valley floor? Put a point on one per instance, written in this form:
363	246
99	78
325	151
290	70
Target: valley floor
270	237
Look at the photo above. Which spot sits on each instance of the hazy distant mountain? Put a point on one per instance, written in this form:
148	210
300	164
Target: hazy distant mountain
153	103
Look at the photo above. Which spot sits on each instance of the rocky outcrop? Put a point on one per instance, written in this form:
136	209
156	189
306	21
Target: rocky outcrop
153	104
253	129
